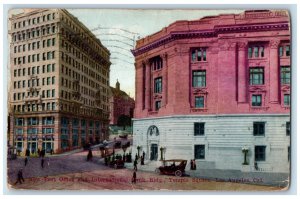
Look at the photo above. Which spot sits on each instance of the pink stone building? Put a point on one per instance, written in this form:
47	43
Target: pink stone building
207	88
120	104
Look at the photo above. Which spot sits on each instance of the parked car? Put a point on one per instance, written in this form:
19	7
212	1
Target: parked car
123	136
172	167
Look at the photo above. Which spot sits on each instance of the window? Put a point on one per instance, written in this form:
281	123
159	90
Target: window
256	100
286	99
199	128
260	153
53	106
199	54
48	106
157	105
255	51
48	120
280	51
156	63
48	42
199	151
285	74
256	76
53	80
199	78
47	130
258	128
53	42
48	68
48	93
53	92
199	102
48	80
287	50
288	128
32	121
158	85
53	67
19	121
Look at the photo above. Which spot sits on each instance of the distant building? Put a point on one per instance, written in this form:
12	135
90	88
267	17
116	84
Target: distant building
216	90
120	104
59	82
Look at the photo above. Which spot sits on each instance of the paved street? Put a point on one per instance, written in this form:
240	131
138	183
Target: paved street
73	172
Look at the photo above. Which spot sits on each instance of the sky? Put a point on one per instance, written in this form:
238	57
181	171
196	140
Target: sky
118	29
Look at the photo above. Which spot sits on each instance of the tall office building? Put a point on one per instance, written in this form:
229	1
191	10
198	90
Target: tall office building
59	82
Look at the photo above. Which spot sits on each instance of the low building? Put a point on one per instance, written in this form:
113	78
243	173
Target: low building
120	104
216	90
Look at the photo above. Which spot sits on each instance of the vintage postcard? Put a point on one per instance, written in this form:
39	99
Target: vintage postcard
133	99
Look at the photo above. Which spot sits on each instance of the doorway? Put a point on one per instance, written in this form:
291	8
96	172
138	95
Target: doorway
153	152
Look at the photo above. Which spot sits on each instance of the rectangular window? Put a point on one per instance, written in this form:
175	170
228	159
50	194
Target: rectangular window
258	128
199	78
53	92
260	153
199	102
198	54
262	52
286	99
255	51
288	128
199	128
53	42
256	100
157	105
158	85
199	151
19	121
287	50
48	68
256	76
285	74
32	121
48	94
280	51
48	80
53	80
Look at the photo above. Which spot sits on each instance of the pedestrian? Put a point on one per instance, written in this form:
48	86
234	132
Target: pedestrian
42	162
136	156
20	177
89	155
133	177
142	160
194	164
26	161
191	162
39	152
144	154
27	153
135	165
48	162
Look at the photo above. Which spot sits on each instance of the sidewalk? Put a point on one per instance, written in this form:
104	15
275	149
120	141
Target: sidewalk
257	178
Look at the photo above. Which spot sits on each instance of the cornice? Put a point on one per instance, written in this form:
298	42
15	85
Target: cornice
177	35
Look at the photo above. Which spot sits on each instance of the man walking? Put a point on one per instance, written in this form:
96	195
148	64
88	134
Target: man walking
134	178
135	165
20	177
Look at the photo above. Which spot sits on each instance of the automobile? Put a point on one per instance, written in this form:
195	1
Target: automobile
124	136
172	167
117	163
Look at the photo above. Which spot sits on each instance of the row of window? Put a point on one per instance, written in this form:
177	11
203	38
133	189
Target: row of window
35	20
35	107
34	121
258	128
31	34
34	45
257	100
34	70
259	152
35	57
34	82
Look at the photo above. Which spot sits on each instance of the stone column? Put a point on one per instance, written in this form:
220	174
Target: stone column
242	72
165	81
148	86
274	71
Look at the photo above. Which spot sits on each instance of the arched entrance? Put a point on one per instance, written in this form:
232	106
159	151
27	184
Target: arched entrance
153	142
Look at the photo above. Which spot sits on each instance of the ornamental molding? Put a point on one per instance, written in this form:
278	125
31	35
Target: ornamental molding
286	88
198	91
157	97
242	45
274	44
178	35
257	89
